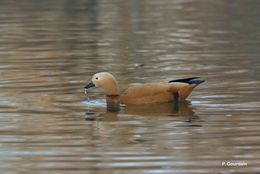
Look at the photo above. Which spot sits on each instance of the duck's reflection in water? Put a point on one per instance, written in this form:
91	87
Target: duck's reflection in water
175	109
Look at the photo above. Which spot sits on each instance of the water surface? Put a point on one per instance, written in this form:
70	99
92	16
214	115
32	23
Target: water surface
50	49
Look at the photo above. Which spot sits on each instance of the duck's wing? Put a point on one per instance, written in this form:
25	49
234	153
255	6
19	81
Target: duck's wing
185	90
184	80
190	80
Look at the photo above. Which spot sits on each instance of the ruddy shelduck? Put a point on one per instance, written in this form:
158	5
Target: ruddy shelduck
177	90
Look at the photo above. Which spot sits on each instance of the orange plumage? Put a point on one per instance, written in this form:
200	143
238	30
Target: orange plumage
144	93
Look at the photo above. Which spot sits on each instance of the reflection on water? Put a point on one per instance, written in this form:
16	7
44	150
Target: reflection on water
100	112
49	49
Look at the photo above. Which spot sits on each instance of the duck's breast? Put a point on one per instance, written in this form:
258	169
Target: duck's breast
147	93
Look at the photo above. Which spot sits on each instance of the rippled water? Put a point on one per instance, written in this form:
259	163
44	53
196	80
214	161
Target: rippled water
50	49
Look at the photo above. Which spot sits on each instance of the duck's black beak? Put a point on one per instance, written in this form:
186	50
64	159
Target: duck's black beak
89	85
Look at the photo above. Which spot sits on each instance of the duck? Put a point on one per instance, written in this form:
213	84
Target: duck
146	93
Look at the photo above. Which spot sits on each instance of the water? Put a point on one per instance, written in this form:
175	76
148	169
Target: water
50	49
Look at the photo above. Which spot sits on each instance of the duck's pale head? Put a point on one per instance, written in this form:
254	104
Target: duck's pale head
105	81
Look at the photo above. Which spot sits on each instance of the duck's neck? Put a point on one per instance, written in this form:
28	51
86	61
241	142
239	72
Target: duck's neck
111	87
113	102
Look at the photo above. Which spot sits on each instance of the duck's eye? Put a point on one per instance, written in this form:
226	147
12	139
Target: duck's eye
96	78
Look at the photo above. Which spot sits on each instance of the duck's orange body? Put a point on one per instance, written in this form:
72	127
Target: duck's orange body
156	93
144	93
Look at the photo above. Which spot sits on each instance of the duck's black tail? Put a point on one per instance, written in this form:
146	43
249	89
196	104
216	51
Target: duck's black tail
191	80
